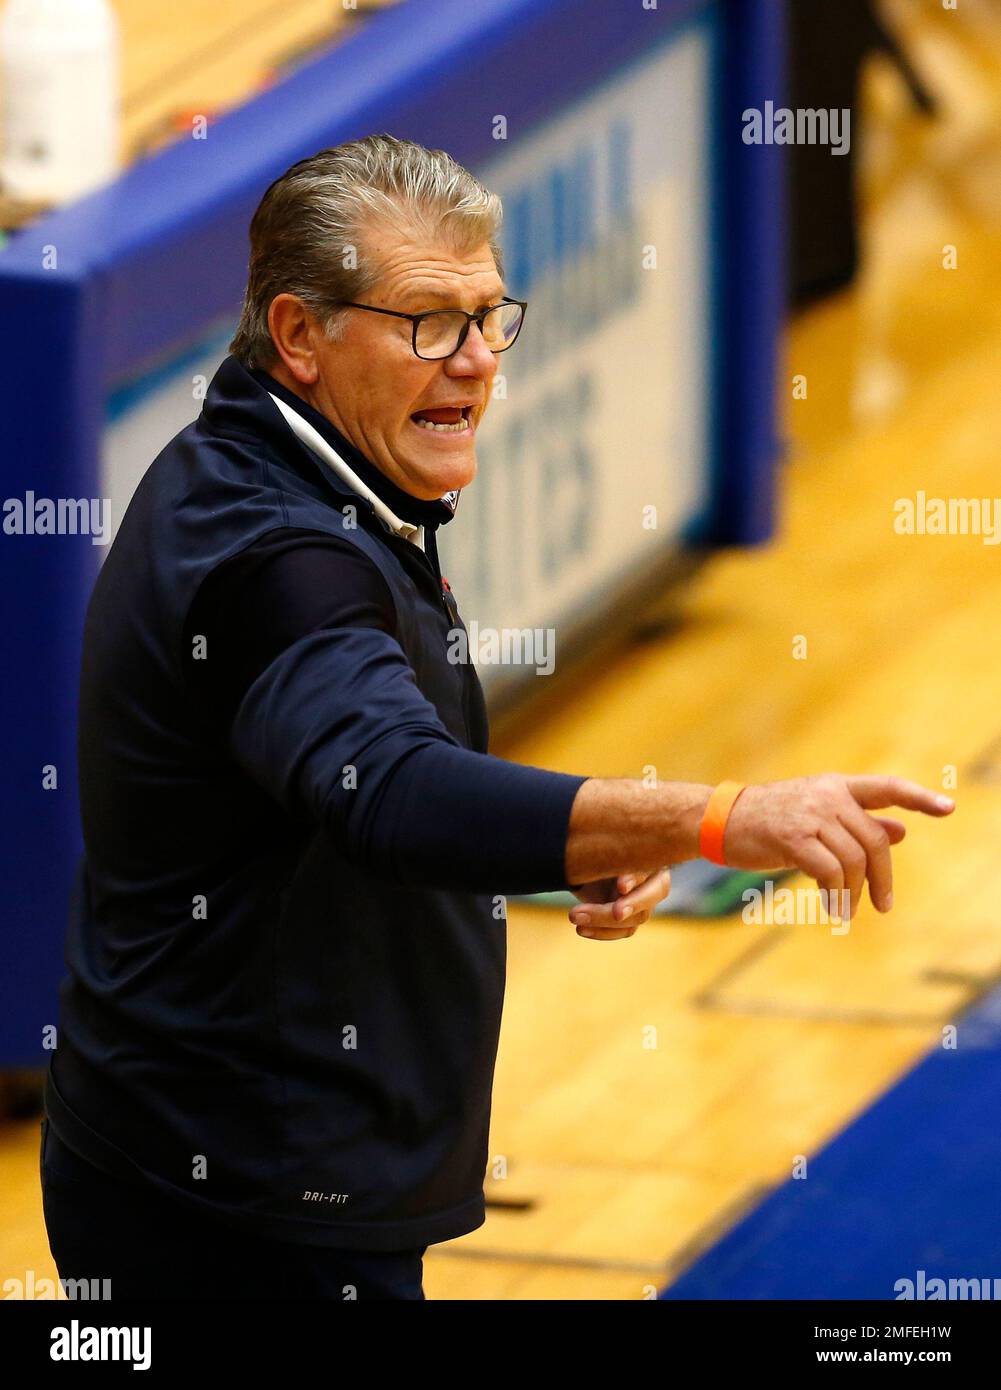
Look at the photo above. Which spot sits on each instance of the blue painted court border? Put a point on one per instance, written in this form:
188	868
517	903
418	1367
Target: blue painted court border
911	1185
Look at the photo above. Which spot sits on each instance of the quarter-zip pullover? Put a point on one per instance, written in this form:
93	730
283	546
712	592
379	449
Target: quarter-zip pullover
286	945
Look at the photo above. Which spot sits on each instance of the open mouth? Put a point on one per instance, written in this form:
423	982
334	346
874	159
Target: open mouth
444	421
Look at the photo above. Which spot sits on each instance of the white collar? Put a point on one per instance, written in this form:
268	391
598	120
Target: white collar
303	430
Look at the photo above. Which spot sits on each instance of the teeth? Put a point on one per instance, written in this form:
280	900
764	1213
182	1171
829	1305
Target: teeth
457	428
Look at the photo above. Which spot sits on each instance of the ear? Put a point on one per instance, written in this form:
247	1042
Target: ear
293	329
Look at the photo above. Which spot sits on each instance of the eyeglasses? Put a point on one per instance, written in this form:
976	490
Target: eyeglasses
439	333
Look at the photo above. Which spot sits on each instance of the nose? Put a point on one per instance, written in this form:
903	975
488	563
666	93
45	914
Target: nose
474	358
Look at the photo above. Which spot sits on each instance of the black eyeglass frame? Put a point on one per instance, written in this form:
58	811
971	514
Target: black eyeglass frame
417	320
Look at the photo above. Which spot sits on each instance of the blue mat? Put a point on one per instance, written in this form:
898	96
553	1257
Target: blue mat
910	1186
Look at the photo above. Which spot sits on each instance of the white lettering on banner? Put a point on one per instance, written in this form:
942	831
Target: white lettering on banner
606	409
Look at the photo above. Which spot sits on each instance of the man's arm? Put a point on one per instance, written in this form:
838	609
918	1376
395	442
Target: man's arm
316	701
323	710
617	822
818	824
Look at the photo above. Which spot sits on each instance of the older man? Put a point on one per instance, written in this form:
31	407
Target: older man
287	945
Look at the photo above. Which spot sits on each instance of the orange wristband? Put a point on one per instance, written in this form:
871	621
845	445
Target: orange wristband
714	819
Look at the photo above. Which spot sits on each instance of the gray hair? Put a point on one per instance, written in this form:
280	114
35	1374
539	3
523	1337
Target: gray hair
307	235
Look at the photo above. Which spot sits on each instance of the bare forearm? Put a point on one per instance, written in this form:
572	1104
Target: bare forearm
818	824
619	824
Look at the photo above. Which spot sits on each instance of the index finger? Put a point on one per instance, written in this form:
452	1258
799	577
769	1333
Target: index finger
875	793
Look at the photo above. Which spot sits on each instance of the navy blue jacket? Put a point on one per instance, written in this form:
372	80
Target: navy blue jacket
286	945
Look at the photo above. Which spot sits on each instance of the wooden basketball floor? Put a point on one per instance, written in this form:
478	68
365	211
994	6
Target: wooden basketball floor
617	1161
